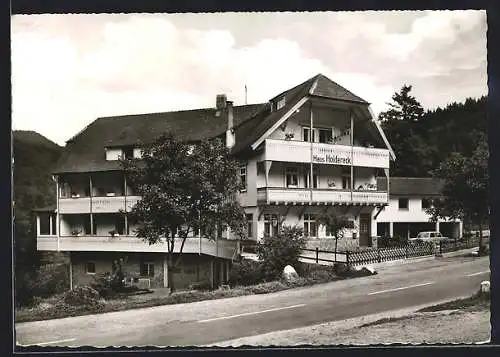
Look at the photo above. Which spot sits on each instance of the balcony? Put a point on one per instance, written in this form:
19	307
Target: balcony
111	204
329	154
272	195
223	248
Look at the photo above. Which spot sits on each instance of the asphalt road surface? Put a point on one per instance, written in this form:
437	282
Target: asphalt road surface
206	322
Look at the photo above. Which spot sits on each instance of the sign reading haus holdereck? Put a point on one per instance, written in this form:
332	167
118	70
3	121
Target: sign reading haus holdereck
333	157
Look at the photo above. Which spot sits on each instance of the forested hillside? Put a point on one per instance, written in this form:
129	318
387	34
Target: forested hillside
34	159
422	139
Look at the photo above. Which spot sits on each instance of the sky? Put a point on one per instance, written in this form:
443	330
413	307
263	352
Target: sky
70	69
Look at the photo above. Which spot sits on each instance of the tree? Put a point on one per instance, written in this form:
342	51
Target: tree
405	107
465	194
400	123
184	188
336	225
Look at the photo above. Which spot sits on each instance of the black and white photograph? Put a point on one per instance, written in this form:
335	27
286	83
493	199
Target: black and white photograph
250	179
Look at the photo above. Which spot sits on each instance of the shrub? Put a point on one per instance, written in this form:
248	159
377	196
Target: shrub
200	285
82	295
44	282
266	288
281	250
389	242
103	285
246	272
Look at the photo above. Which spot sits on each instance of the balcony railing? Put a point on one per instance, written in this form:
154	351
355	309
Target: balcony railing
329	154
223	248
108	204
325	196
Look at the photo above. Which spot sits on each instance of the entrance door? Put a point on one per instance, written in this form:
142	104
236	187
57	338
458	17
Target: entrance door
365	230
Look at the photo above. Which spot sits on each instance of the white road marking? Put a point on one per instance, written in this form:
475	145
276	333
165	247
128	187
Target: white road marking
251	313
48	342
478	273
401	288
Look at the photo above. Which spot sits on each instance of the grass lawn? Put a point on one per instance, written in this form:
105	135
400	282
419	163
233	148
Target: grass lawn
54	307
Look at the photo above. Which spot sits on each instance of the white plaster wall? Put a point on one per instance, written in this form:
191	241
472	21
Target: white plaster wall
104	224
326	174
414	213
137	153
70	223
292	219
249	197
113	154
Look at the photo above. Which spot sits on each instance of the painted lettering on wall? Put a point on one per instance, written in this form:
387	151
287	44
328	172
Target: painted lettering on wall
331	159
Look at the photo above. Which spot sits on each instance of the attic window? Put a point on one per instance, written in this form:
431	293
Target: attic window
280	104
128	152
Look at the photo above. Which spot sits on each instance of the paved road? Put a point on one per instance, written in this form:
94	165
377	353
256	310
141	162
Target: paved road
206	322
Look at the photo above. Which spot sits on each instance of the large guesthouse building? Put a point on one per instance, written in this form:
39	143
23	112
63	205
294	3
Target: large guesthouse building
313	148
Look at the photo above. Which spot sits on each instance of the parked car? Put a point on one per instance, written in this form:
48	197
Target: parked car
429	236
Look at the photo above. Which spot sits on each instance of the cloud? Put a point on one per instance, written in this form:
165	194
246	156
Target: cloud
67	70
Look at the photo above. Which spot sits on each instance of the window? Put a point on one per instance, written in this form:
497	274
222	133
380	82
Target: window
148	269
86	225
271	224
243	177
310	226
325	135
280	104
306	136
307	178
426	203
292	177
44	224
128	152
249	218
403	203
90	268
120	224
54	225
346	178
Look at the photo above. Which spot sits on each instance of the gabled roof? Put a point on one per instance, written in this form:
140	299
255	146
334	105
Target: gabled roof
86	151
412	186
326	88
245	137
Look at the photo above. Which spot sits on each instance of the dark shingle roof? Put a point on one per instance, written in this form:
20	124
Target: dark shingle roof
325	87
85	152
411	186
248	134
51	208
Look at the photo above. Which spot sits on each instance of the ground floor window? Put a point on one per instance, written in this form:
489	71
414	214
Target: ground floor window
310	225
249	218
148	269
90	268
271	224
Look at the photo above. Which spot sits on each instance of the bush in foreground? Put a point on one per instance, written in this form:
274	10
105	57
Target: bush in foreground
82	296
278	251
246	272
44	282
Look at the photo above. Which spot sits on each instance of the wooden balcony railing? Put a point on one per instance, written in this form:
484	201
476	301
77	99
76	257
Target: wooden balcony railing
224	248
107	204
329	154
323	196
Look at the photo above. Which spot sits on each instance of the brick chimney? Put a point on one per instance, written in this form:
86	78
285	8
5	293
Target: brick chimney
220	101
230	138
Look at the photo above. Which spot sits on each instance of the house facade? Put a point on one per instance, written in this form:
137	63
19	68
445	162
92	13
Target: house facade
405	215
313	148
